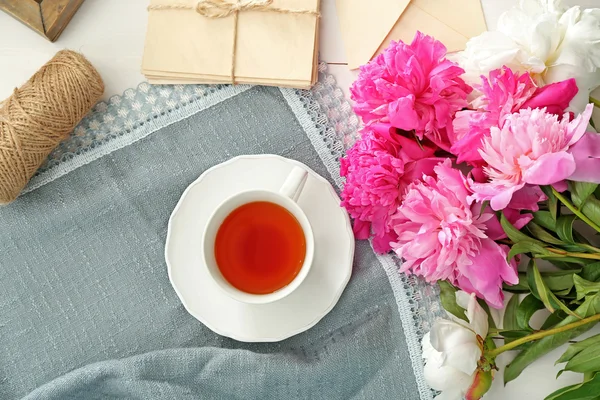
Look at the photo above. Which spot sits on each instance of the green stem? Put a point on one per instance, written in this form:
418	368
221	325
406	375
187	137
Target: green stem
584	255
589	247
565	253
588	376
541	335
575	210
576	255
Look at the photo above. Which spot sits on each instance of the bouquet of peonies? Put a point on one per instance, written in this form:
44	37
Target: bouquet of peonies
476	171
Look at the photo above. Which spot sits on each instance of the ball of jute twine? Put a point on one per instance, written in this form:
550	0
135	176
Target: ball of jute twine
40	114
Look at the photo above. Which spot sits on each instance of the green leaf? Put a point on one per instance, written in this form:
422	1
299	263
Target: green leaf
559	263
584	287
555	301
531	246
486	308
513	233
540	233
553	319
560	280
585	361
562	259
538	288
591	272
580	191
448	299
590	306
510	314
552	201
514	334
545	220
575	248
591	209
521	287
541	291
577	347
526	309
589	390
564	228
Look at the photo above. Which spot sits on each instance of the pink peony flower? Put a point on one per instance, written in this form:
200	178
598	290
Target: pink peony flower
441	235
504	93
587	158
377	172
532	148
412	87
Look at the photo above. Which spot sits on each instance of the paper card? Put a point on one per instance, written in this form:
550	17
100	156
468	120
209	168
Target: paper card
271	46
453	22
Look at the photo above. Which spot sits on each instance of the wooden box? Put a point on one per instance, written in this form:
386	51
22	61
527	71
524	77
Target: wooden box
46	17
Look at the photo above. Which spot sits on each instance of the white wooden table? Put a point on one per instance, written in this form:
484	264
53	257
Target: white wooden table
111	34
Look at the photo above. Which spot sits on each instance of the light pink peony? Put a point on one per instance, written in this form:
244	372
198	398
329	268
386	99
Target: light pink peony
378	171
441	236
532	148
413	87
504	93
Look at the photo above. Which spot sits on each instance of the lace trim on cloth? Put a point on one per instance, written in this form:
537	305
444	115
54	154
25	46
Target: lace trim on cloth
323	112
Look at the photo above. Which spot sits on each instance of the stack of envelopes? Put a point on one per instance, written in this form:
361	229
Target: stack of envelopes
369	26
266	42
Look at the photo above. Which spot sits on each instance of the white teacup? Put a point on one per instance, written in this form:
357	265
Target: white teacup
287	198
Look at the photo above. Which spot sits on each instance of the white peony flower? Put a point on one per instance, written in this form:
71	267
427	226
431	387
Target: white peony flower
544	38
453	350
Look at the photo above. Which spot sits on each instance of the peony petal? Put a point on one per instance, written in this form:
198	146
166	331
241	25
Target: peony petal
463	357
487	52
362	229
428	350
550	168
489	269
587	159
451	394
403	115
445	335
503	197
554	97
478	318
457	344
527	199
493	229
516	219
446	379
382	244
586	82
562	186
579	125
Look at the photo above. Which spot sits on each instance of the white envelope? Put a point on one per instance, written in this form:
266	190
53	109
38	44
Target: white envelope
368	26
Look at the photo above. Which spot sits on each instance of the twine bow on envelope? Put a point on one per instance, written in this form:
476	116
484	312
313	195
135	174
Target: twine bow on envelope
223	8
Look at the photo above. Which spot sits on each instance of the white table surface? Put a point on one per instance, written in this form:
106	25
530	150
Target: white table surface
111	34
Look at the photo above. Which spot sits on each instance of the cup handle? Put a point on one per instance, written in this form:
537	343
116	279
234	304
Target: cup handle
293	185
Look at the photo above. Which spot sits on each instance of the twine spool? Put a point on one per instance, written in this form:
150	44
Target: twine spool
42	113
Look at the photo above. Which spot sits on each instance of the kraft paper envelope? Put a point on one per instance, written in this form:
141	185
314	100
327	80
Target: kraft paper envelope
369	26
273	48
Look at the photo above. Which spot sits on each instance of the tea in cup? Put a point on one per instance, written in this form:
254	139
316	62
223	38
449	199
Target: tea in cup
258	244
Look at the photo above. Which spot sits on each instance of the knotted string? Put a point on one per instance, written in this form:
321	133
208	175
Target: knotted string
223	9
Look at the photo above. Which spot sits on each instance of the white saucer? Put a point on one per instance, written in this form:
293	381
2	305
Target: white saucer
301	310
